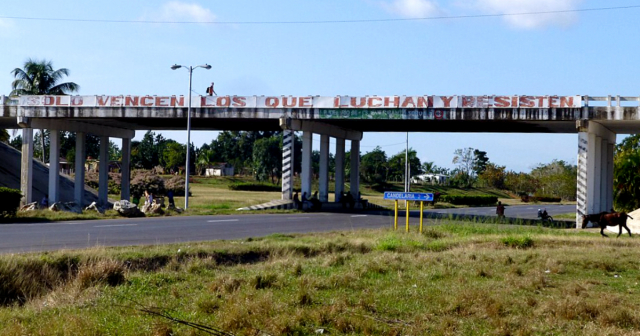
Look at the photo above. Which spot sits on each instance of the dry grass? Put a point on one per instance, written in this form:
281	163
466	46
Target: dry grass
456	278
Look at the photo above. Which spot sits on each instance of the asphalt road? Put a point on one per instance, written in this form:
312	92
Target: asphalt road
29	237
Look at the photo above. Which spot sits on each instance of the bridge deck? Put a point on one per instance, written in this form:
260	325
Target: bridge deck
433	118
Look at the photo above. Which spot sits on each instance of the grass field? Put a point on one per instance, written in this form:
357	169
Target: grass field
456	278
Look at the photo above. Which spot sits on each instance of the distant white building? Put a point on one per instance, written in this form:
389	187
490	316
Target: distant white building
430	179
220	169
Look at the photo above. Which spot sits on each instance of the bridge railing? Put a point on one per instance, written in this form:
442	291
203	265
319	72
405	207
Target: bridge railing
591	101
611	101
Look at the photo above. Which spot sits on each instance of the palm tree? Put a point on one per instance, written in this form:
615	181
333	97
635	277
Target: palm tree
39	78
4	136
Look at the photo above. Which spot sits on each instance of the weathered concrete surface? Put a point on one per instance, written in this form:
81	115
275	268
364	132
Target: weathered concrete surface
10	177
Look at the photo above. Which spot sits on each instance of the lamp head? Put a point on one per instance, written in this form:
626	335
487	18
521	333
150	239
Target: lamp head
206	66
175	66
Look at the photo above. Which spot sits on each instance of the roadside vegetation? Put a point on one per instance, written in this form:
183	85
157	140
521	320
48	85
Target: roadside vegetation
216	196
455	278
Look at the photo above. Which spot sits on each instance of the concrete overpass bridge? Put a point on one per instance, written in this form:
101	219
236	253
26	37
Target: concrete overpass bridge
596	120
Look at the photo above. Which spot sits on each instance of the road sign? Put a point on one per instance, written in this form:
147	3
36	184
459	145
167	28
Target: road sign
408	196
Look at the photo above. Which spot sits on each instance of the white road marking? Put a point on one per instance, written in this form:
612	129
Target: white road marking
116	225
222	220
358	216
297	217
47	224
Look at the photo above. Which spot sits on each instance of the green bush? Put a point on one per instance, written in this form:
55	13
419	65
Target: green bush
545	199
92	179
144	180
517	242
254	186
10	202
469	200
176	183
390	243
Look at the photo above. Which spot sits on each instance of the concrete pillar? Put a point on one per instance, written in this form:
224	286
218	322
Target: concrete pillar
54	166
604	167
595	170
609	179
597	176
339	169
78	193
287	164
306	174
103	172
355	168
26	167
324	169
125	170
581	197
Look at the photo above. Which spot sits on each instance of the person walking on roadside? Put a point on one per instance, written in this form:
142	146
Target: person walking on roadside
44	203
170	197
500	210
296	201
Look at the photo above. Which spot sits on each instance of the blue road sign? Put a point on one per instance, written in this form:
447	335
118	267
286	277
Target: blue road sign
408	196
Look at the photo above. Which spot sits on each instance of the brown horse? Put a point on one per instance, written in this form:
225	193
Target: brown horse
605	219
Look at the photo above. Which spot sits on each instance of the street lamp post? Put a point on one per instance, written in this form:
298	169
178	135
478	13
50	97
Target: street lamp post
186	182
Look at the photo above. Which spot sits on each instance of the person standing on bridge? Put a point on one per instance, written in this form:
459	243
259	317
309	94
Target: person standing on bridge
211	91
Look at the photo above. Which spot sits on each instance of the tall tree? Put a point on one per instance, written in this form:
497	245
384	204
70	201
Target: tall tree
267	158
174	155
373	166
626	180
428	167
493	175
4	136
480	161
40	78
464	158
520	183
397	165
16	142
557	178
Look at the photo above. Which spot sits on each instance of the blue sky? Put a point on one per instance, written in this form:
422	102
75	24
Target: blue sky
568	53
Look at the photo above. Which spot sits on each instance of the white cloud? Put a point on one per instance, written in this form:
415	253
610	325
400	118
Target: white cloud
6	23
182	11
532	21
412	8
6	27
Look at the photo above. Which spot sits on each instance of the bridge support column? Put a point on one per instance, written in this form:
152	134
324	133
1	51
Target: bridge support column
339	169
595	169
608	185
54	166
78	193
103	172
324	169
287	164
26	167
355	168
306	174
125	170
